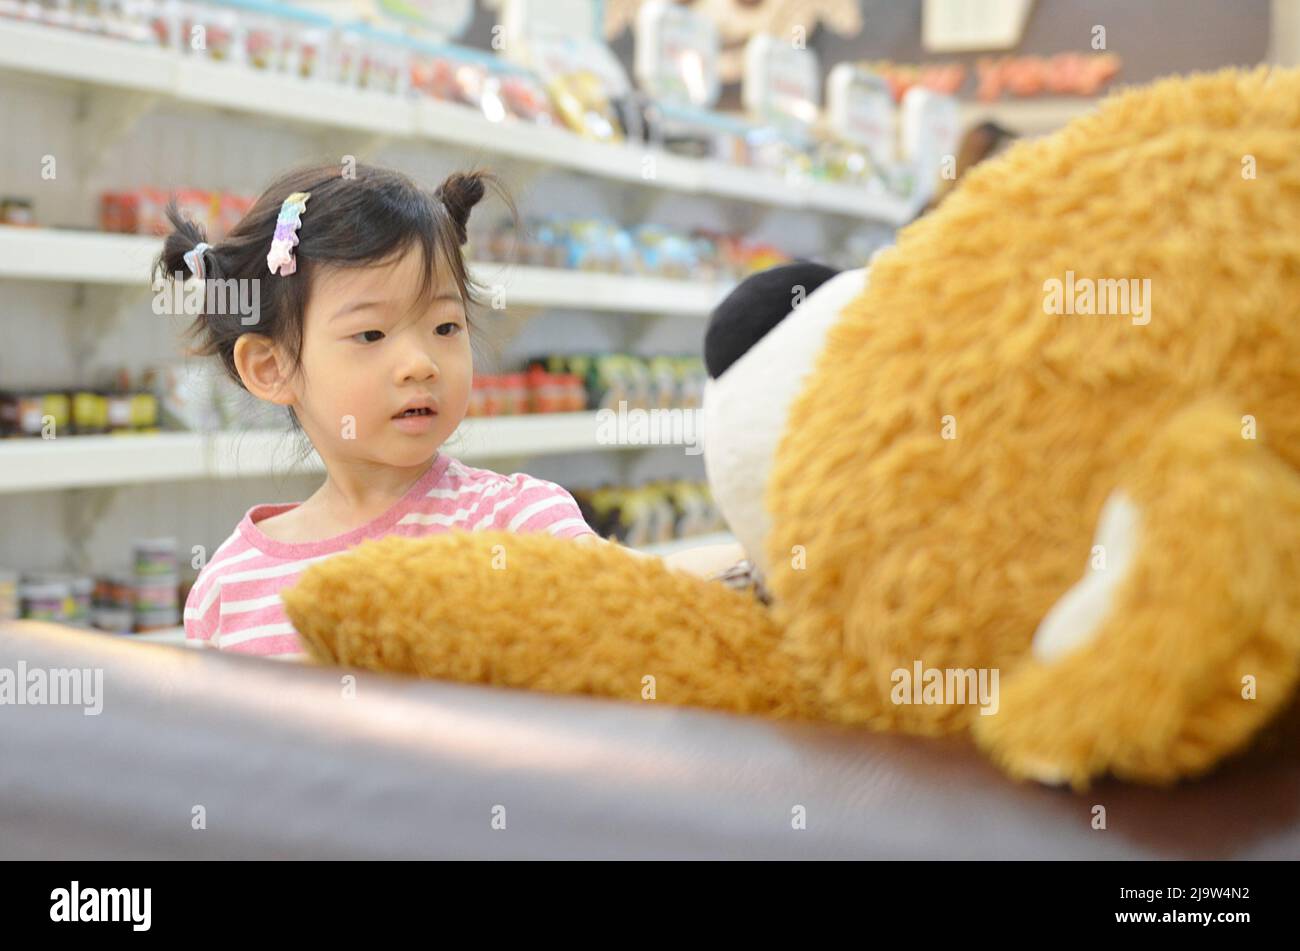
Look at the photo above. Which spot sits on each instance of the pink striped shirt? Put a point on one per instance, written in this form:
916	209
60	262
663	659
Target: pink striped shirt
235	603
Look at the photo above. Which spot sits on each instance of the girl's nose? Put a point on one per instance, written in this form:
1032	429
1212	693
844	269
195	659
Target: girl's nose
417	366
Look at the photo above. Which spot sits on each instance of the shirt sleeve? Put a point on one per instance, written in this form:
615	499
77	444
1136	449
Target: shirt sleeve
540	506
202	611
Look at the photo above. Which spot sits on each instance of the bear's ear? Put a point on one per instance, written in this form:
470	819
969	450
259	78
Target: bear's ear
759	303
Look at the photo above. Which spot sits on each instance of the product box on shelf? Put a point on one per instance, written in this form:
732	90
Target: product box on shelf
931	135
120	19
780	89
676	54
10	606
862	130
536	391
142	210
275	37
652	513
144	597
498	89
78	412
610	379
560	41
17	212
600	245
369	57
676	65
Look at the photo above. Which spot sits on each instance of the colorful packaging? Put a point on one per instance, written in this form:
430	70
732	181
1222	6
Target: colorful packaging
83	591
10	605
931	131
17	212
46	597
156	596
781	84
652	513
860	109
154	557
371	58
676	54
155	593
114	602
167	22
89	413
585	80
213	31
143	210
264	40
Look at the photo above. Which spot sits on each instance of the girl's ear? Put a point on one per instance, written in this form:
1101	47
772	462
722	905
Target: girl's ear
258	361
459	194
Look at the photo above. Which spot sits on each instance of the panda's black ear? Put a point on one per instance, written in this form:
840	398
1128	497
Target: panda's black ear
759	303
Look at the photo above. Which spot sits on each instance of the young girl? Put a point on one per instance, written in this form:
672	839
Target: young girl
362	332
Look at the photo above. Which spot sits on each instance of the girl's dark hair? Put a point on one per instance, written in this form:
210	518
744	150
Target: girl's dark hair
355	216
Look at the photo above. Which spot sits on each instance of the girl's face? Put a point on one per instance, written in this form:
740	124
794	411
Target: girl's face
369	348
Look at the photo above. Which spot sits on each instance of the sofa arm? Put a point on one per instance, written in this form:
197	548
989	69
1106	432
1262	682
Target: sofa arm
282	761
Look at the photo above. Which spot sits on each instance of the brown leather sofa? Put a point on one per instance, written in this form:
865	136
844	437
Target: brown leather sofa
283	765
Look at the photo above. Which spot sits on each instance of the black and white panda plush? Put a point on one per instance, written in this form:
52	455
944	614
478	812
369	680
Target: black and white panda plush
759	349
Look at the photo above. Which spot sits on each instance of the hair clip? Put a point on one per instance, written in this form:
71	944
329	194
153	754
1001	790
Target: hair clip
194	260
286	234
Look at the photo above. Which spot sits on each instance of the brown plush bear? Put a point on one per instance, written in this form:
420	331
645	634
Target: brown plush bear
1048	445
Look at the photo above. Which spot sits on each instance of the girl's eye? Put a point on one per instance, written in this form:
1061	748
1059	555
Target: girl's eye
366	333
448	329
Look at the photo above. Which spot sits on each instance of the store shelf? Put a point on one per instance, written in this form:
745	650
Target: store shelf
1033	116
87	257
614	293
68	462
167	635
690	541
34	465
75	57
91	257
66	56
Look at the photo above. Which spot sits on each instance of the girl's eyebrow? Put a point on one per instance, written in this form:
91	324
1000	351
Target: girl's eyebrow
355	306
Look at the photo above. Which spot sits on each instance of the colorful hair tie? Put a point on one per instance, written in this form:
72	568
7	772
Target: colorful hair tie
286	234
194	260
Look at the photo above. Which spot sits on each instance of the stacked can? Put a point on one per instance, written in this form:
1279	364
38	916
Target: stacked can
156	584
9	595
55	596
115	602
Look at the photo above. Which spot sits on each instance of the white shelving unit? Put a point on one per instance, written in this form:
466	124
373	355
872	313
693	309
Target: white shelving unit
72	462
144	76
118	115
691	541
1030	116
91	257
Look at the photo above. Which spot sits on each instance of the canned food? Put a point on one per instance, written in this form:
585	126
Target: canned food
156	593
9	603
46	598
154	556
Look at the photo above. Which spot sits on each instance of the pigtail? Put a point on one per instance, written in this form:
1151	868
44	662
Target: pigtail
184	237
459	193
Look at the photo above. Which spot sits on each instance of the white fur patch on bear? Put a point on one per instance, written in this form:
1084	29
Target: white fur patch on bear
745	409
1076	618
